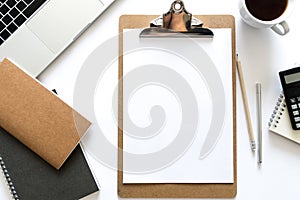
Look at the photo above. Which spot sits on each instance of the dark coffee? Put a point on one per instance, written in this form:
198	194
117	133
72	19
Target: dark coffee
266	10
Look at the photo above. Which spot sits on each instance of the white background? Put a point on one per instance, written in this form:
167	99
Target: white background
263	54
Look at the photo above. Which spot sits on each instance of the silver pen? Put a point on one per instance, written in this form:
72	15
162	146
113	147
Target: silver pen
259	121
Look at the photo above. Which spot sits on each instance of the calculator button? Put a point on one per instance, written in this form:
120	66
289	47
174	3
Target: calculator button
297	119
296	112
294	106
293	100
298	98
299	105
298	125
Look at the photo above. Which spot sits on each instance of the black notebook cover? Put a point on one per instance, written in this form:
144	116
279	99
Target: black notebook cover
35	179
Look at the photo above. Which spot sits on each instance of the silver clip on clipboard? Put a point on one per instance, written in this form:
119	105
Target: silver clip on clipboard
177	22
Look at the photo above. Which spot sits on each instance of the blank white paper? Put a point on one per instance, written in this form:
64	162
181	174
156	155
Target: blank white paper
150	155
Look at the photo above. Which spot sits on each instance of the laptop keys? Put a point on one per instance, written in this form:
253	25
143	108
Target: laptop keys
12	28
4	9
7	19
4	34
14	13
20	20
33	7
2	26
28	1
21	5
11	3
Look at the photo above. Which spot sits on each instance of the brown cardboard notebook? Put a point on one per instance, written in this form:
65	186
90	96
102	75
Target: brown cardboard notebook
37	117
175	190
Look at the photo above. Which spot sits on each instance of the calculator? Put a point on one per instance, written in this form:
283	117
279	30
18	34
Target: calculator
290	81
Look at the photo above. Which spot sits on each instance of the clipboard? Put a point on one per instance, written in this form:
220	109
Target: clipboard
175	190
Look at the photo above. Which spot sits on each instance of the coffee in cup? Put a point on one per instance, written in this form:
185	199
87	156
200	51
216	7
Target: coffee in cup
267	14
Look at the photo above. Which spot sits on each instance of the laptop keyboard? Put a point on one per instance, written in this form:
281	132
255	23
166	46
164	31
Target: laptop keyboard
14	13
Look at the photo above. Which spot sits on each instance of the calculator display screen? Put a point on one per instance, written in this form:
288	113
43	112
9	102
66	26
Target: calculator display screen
292	78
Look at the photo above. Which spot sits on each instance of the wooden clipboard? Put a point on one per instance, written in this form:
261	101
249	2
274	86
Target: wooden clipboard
219	190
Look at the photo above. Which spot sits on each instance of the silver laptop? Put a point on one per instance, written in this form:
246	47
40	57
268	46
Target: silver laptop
34	32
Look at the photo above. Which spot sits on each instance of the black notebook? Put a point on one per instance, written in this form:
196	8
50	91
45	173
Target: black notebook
31	178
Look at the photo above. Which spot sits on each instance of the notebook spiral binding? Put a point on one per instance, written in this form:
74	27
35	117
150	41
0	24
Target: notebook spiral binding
8	179
277	112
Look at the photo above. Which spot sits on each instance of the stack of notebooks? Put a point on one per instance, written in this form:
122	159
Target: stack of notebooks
280	121
40	154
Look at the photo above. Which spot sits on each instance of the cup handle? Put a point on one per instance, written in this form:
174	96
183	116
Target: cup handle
281	28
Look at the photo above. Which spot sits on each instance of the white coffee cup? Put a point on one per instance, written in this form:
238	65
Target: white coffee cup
278	24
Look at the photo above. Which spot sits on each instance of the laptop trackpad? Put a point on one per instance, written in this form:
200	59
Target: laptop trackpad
60	21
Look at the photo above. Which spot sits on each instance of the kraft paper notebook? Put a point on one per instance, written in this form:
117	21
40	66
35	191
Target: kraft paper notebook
139	73
37	117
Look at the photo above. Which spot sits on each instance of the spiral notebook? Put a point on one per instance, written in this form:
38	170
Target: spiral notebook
29	177
280	121
6	179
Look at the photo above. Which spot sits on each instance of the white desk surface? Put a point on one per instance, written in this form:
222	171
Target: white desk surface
263	54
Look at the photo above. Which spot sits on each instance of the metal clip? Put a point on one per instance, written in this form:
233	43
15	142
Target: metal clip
177	22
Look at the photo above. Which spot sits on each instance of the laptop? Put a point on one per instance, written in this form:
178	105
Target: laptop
34	32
